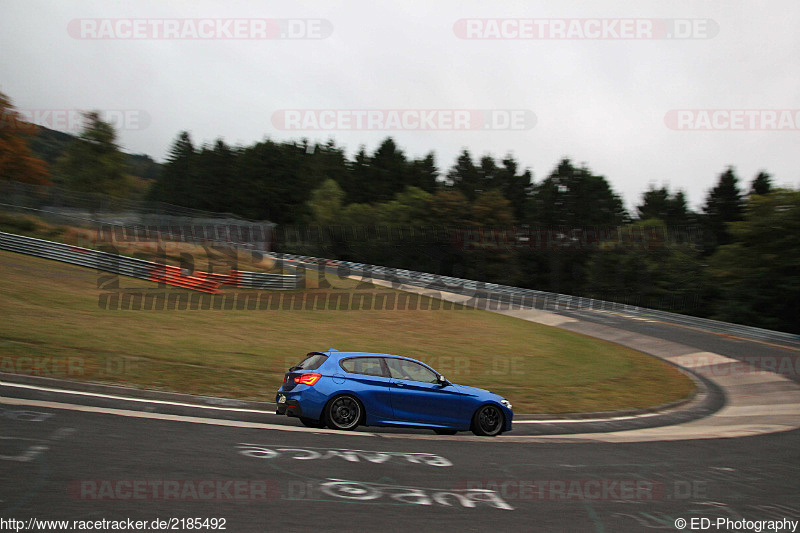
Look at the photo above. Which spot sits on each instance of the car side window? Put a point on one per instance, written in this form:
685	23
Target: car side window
409	370
312	361
369	366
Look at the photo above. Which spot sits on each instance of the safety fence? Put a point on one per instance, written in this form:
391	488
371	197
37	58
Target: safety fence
147	270
121	219
495	296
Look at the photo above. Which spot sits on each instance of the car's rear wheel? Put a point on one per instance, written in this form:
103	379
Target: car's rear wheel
343	412
488	421
311	423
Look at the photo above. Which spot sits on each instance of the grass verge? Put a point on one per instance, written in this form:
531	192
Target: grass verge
53	326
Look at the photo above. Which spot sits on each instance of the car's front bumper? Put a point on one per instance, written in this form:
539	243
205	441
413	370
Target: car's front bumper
509	417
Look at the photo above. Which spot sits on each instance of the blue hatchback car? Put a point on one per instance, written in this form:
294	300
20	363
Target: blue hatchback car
343	390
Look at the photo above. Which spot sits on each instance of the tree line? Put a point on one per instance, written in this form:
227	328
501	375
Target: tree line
568	233
735	259
37	155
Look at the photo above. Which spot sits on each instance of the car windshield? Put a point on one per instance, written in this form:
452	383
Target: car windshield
311	362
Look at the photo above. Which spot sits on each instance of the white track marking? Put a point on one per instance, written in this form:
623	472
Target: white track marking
179	404
574	420
128	399
174	418
29	455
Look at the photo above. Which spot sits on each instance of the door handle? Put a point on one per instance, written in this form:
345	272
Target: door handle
399	384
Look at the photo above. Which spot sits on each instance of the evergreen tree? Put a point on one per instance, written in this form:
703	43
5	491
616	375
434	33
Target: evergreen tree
275	183
357	186
488	178
327	161
465	177
569	204
388	172
573	197
654	204
515	187
762	184
177	176
723	205
662	205
423	173
215	187
93	162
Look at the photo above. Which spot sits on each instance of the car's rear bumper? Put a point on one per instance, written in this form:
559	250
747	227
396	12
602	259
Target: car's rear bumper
290	407
301	401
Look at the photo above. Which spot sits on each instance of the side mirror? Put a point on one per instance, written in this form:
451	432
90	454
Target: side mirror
442	381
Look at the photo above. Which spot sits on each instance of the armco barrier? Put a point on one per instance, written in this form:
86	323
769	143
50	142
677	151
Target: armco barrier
263	280
147	270
530	298
172	275
117	264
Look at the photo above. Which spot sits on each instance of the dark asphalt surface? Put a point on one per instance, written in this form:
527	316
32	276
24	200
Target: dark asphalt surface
299	481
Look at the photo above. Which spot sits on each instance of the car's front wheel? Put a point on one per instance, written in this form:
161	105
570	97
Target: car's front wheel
343	412
488	421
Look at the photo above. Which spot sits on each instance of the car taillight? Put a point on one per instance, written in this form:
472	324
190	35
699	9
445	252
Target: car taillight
308	378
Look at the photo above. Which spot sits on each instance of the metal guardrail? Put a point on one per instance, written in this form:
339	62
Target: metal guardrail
263	280
75	255
495	296
139	268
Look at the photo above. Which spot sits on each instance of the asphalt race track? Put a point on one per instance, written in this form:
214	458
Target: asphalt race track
296	481
732	454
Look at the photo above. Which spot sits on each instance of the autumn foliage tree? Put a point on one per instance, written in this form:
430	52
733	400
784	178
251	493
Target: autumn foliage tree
17	162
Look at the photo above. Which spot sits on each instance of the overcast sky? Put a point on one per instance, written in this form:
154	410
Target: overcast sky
605	102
